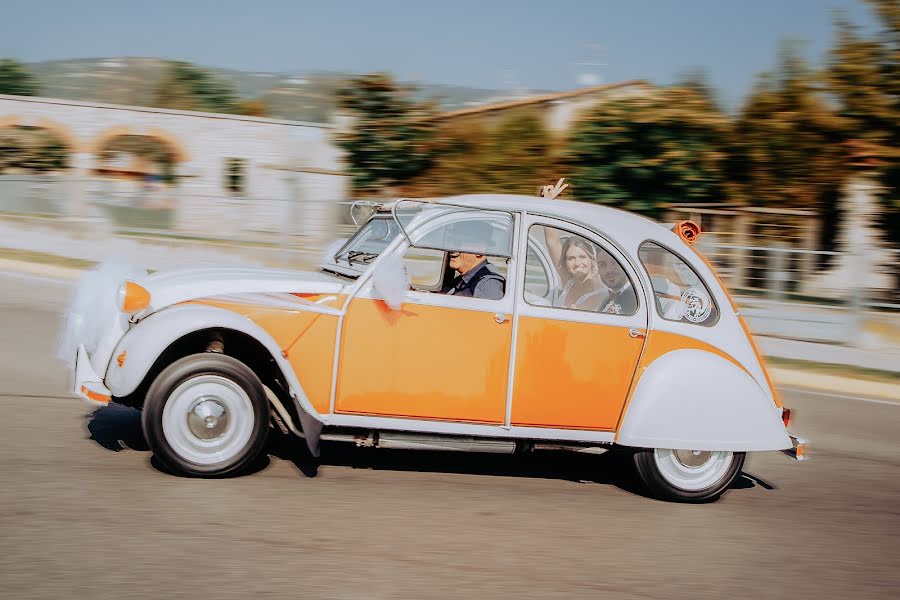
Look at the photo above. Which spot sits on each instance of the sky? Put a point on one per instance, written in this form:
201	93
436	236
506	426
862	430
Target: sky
495	44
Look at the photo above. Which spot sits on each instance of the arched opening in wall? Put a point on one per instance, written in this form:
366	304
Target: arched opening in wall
138	177
32	150
31	162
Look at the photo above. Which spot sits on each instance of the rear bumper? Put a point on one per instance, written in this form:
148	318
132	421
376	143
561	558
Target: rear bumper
798	451
88	385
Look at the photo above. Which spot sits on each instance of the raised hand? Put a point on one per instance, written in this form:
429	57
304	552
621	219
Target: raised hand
552	191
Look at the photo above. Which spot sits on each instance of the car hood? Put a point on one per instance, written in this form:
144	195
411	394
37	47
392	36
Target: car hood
172	287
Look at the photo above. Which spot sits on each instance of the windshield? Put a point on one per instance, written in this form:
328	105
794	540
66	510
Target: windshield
370	241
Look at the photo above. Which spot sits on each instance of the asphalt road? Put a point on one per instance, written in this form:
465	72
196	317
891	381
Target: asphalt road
85	513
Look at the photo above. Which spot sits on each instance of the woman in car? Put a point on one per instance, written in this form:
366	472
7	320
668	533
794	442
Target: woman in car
575	259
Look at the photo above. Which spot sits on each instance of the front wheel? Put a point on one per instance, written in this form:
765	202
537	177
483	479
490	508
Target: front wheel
688	475
206	415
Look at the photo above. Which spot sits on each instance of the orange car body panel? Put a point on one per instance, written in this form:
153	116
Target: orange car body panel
306	339
424	362
572	375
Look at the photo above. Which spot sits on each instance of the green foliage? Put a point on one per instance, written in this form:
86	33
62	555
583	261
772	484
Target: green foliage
514	156
786	147
521	154
864	74
390	141
640	152
15	79
31	149
189	87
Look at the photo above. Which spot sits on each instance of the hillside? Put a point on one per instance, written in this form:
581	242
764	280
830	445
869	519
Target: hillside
297	96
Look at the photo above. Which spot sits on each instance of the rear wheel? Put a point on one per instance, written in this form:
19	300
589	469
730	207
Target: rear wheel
688	475
206	415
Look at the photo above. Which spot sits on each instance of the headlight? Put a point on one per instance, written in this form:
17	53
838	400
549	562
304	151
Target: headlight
132	297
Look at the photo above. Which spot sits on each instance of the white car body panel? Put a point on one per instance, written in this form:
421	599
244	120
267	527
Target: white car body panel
173	287
146	341
696	400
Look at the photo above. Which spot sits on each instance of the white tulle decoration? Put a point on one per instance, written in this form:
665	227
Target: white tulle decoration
93	308
391	280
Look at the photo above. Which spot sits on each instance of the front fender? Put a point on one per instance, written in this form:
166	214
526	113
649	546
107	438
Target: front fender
146	341
696	400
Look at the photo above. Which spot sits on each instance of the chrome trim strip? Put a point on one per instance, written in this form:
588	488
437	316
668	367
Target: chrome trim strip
521	241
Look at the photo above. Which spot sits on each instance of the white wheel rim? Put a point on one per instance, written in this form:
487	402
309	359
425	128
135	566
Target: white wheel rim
692	470
208	420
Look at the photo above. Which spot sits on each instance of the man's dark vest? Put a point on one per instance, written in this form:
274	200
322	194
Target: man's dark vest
484	272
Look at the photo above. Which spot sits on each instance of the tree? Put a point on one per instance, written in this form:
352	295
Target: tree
864	74
469	157
640	152
15	79
390	139
787	147
252	108
521	154
189	87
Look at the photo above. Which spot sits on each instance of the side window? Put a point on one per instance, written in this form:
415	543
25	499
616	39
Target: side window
679	293
235	175
425	268
590	278
463	253
537	280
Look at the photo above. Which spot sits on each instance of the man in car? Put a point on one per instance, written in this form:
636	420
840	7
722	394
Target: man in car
477	277
622	300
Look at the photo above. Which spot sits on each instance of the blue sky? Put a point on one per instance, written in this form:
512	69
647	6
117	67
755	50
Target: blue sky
498	44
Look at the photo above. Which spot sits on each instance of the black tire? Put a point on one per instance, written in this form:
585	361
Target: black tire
195	370
664	488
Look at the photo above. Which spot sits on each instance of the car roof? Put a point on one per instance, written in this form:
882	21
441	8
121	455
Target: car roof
626	227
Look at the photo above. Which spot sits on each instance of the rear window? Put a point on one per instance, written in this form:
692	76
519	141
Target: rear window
679	293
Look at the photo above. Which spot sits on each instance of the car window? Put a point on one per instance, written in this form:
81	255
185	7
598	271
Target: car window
591	279
367	243
678	292
537	280
425	268
489	233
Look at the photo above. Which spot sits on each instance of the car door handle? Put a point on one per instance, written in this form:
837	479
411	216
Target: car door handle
500	318
637	333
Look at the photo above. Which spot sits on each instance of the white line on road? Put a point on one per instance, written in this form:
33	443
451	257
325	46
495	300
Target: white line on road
841	396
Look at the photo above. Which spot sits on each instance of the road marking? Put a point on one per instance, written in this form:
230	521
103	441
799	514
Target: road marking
841	396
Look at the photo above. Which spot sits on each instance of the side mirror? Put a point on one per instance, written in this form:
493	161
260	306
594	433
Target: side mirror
391	281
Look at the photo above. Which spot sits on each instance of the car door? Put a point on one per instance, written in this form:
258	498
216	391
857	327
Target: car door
438	356
574	367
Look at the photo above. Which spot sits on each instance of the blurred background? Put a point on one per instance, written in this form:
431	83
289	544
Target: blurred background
175	134
792	173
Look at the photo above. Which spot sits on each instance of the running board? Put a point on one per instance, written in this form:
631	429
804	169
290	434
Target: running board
447	443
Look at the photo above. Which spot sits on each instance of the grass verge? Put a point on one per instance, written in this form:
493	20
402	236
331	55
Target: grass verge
45	259
851	372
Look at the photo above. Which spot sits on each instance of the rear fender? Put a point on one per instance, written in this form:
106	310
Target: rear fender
697	400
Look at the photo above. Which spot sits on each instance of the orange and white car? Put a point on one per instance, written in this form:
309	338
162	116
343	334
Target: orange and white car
370	351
